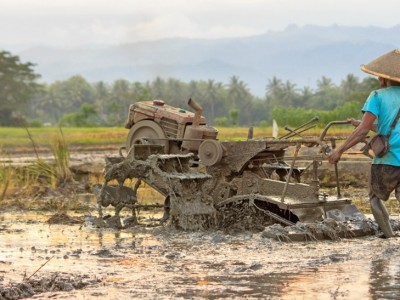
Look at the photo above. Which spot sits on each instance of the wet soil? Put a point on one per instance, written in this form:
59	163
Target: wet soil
64	256
76	259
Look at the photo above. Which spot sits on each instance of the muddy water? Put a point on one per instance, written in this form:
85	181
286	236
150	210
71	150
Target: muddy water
162	263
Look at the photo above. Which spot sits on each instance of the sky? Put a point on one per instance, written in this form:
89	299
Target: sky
76	23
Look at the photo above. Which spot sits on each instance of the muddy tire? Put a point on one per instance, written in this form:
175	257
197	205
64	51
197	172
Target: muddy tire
147	132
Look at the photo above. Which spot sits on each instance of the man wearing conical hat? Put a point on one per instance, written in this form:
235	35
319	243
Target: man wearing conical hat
383	106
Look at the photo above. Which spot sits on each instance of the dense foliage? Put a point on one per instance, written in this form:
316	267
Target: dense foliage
17	87
76	102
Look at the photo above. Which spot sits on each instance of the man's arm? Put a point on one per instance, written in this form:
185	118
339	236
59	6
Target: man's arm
359	133
355	123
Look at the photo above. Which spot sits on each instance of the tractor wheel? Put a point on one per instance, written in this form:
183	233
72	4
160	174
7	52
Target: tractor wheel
147	132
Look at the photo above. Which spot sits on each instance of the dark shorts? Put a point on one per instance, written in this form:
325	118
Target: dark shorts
384	180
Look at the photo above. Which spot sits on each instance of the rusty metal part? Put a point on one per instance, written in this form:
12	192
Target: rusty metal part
293	133
333	144
329	125
197	112
296	152
314	119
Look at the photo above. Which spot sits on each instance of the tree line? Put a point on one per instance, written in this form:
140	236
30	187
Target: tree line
77	102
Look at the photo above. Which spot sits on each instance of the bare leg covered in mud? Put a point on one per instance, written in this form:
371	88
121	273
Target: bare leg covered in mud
383	181
381	216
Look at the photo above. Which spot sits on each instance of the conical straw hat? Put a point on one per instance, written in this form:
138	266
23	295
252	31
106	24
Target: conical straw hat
385	66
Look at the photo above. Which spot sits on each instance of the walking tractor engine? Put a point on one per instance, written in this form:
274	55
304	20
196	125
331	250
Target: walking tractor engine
249	184
176	130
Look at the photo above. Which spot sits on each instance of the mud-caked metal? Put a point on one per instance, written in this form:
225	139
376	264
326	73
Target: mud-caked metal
217	184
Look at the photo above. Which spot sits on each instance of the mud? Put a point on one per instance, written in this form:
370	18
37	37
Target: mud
65	255
217	197
83	261
52	283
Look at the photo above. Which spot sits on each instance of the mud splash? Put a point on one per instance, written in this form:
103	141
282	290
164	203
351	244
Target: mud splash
163	263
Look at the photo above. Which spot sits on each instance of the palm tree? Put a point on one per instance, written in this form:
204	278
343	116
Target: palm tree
274	87
350	84
175	94
274	93
158	88
121	98
237	91
289	93
324	84
194	92
101	97
140	92
306	94
211	94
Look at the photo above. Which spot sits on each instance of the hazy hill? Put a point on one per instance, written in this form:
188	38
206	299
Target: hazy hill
299	54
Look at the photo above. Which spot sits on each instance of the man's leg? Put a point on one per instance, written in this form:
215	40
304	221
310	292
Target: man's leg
381	216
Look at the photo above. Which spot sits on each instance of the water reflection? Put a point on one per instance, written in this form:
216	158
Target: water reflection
189	265
347	280
385	278
27	230
113	238
105	237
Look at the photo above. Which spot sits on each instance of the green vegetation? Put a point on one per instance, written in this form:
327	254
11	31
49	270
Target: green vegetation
298	115
77	103
85	117
17	87
98	136
56	174
94	114
41	184
5	178
15	136
60	152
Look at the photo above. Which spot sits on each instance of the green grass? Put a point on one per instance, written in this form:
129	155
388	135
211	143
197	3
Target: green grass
12	136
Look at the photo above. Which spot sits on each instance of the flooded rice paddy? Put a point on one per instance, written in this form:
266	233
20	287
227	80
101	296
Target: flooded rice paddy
163	263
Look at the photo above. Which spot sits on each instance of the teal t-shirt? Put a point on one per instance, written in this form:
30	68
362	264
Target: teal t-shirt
384	104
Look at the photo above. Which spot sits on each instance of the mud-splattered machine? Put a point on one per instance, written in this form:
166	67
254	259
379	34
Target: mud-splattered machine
209	183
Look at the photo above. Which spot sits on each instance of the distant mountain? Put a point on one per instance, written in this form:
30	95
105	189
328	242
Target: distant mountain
299	54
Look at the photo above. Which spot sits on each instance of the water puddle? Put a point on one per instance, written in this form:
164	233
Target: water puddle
160	262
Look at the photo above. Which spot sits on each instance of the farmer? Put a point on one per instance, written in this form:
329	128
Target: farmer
382	105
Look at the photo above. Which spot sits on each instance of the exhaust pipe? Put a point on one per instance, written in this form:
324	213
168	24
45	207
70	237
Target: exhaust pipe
197	112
